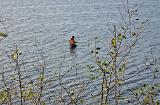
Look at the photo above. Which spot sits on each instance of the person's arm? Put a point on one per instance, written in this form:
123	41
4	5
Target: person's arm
75	41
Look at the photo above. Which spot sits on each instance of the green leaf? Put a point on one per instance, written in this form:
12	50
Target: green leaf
134	34
98	70
3	34
113	42
43	103
124	36
4	96
107	70
144	85
142	22
14	56
99	62
81	101
90	67
121	37
120	82
103	63
72	93
157	102
93	78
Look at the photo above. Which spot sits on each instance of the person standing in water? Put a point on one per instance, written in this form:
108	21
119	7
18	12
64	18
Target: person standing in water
72	42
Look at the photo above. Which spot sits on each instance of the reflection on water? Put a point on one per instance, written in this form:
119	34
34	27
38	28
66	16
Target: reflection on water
72	50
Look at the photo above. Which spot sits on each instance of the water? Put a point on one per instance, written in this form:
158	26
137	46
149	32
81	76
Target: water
50	23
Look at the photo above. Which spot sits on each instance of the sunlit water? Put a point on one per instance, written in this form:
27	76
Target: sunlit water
50	23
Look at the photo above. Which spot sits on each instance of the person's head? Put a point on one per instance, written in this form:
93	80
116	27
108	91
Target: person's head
72	38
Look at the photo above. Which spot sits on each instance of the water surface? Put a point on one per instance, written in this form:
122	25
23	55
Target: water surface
50	23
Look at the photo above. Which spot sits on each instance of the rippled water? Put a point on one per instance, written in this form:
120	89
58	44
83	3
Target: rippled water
52	22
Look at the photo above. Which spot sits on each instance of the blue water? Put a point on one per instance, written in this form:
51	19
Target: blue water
50	23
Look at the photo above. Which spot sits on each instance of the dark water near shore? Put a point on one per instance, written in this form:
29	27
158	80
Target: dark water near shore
52	22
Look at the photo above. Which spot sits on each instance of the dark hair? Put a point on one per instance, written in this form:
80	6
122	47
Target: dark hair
72	36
